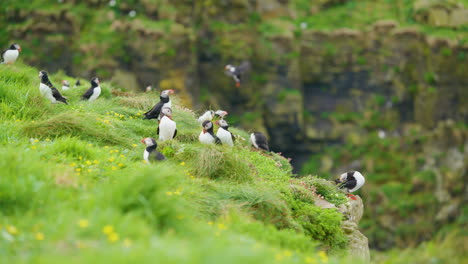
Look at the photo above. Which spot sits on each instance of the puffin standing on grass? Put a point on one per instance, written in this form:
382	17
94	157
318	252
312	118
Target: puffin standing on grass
165	101
236	72
220	114
151	154
48	90
65	85
167	128
351	181
11	54
207	116
226	137
259	141
92	93
207	135
77	83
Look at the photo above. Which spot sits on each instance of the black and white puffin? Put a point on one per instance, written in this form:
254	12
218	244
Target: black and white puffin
351	181
226	137
48	90
151	154
167	128
259	141
65	85
220	114
207	135
207	116
77	83
92	93
11	54
148	88
165	101
236	72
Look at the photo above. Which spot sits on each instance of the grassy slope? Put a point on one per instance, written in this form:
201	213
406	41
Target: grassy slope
74	187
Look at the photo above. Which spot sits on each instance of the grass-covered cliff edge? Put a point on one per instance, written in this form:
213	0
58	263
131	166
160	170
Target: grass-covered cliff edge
74	187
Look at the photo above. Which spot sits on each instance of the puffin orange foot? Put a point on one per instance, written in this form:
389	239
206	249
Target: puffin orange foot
352	196
237	84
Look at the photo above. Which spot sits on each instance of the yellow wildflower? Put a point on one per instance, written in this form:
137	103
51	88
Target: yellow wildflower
113	237
39	236
210	223
83	223
89	170
221	226
108	229
80	158
168	193
310	260
114	168
120	164
287	253
36	140
88	162
33	147
111	159
90	145
182	163
106	147
138	114
77	169
47	139
96	162
73	164
12	230
323	256
122	156
134	145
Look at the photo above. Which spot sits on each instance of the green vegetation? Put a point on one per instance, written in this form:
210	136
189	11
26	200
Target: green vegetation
74	184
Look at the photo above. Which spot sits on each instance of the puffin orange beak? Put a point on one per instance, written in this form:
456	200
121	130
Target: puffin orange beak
171	91
217	122
19	49
226	113
204	131
143	141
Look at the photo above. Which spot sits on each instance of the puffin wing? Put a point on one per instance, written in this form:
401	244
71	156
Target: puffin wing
1	57
157	131
154	112
349	184
244	67
56	94
87	94
262	141
156	155
175	133
217	140
233	138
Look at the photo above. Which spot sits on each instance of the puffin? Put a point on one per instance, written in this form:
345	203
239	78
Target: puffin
11	54
65	85
165	101
220	114
351	181
259	141
77	83
92	93
151	154
236	72
226	137
167	128
148	88
48	90
207	135
207	116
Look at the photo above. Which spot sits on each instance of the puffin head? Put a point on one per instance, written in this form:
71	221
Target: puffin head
15	46
42	74
65	82
95	82
221	113
207	125
149	142
222	123
228	67
148	88
167	111
166	93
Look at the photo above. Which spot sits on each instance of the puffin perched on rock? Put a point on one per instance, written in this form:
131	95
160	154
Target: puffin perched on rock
167	128
151	154
165	101
92	93
351	181
11	54
226	137
207	116
65	85
236	72
48	90
207	135
259	141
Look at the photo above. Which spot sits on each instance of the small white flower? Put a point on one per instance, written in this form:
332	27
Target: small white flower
132	13
303	25
112	3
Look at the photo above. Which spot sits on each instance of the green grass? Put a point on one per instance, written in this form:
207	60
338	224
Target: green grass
74	187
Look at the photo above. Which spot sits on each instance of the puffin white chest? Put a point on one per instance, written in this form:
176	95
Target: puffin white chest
10	56
96	93
225	136
47	93
206	138
65	88
146	156
167	128
253	140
